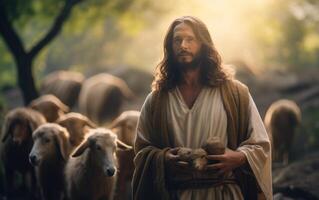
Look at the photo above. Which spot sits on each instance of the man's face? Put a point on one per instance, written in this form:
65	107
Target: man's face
186	46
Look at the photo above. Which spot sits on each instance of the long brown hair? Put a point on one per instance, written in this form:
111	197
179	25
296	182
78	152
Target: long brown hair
212	73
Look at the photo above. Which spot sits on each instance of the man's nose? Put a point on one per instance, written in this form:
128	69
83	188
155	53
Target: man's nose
184	44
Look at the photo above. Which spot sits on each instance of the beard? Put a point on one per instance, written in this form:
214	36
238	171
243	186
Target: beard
184	65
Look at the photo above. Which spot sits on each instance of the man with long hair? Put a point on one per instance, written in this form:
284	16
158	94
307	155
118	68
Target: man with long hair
195	98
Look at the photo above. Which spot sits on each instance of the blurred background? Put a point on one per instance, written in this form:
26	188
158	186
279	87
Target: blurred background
272	44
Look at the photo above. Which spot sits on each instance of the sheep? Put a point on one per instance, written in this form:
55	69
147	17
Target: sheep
65	85
49	155
125	128
102	96
197	157
16	144
214	146
77	126
133	77
91	170
281	120
50	106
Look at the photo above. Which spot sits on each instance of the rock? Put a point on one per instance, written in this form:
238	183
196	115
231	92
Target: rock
298	180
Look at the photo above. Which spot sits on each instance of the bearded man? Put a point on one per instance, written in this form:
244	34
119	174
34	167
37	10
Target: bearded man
193	99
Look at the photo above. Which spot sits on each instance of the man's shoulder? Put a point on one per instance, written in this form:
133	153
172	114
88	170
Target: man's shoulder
236	85
151	97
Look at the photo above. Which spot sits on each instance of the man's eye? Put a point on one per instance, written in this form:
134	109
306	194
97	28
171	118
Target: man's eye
177	41
189	40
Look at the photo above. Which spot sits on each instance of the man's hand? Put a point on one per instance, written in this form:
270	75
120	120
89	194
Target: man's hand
173	161
227	161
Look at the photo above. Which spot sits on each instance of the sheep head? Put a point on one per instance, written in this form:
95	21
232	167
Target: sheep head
195	157
102	145
51	142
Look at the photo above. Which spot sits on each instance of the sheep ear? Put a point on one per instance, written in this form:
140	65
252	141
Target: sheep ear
64	108
60	121
89	123
61	107
62	141
33	105
116	123
32	125
81	149
122	146
128	93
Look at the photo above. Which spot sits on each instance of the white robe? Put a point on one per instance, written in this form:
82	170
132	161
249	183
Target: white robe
207	118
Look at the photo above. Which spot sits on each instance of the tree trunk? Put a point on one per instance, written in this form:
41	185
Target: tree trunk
22	57
25	79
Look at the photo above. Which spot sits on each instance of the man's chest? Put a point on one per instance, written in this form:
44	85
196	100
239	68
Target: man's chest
189	96
192	127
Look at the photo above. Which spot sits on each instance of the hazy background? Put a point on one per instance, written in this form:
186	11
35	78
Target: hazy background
272	44
264	34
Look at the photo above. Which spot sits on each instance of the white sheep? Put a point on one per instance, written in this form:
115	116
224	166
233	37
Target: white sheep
91	171
49	155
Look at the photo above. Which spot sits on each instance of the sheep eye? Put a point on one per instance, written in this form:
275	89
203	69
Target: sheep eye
98	147
46	140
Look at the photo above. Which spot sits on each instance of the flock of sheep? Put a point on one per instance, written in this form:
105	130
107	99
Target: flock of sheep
72	155
66	155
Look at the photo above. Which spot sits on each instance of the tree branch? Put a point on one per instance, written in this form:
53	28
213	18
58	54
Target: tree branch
10	37
56	27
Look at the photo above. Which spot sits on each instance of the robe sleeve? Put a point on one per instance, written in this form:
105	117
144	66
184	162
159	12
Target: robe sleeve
149	174
257	149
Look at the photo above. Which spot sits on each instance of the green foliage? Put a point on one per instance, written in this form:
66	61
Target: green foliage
306	139
91	25
7	68
311	127
288	34
102	37
20	11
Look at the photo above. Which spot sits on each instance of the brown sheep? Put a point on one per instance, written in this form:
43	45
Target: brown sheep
77	126
281	120
91	171
50	106
16	144
65	85
214	146
49	155
133	77
125	128
102	96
